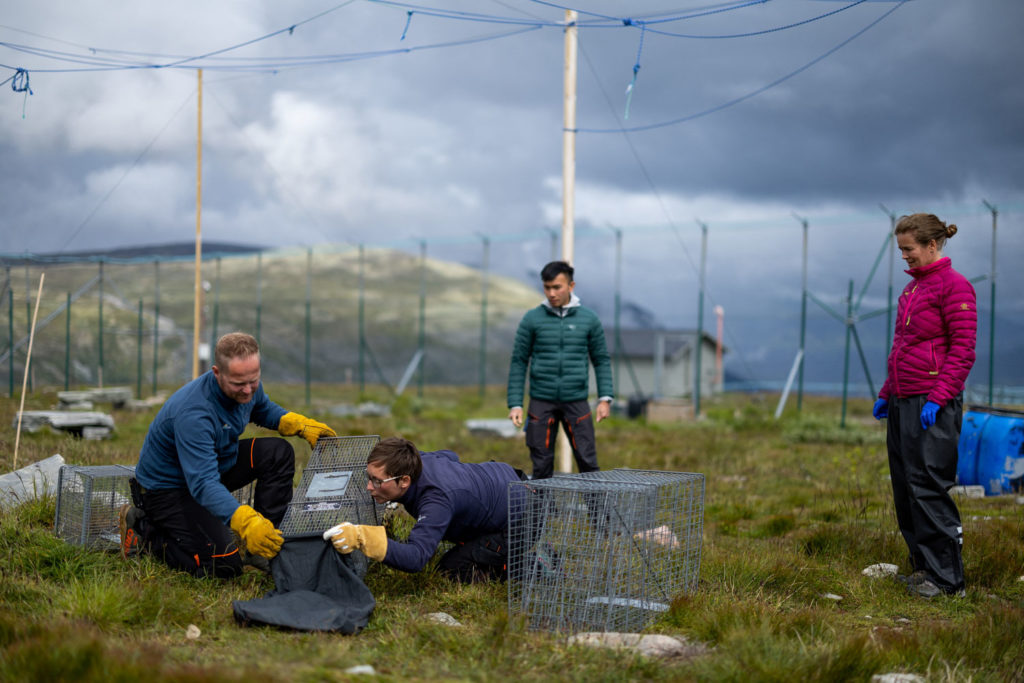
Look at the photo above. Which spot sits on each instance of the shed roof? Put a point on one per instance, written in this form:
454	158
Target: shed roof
640	343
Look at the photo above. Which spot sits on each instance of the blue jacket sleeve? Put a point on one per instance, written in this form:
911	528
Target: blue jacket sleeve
197	453
426	535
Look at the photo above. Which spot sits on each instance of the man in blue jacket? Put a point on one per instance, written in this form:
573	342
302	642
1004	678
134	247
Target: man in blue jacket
557	340
466	503
192	459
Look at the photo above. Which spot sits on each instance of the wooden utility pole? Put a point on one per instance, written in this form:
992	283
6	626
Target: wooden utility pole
563	451
569	139
199	232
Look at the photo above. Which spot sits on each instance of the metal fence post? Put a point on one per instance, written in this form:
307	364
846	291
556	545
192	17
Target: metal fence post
483	316
138	353
100	326
156	326
309	296
67	342
422	341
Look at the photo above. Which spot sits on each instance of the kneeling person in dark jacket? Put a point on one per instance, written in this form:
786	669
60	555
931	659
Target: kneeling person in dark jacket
452	501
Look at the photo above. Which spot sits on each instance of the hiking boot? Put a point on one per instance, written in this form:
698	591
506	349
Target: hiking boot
127	520
257	562
250	561
913	579
925	589
928	589
547	562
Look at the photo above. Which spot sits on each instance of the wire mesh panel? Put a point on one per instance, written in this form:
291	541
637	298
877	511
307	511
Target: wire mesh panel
246	494
603	551
332	488
88	500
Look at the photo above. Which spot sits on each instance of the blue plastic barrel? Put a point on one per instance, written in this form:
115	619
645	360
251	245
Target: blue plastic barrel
991	450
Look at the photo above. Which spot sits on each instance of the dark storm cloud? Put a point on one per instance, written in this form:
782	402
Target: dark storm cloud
913	107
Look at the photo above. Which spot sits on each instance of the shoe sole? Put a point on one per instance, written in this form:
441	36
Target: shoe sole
129	539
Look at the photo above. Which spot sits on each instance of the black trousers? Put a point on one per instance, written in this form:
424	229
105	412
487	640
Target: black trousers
189	537
482	559
542	427
923	467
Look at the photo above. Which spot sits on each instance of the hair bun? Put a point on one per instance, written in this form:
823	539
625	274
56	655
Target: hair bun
950	230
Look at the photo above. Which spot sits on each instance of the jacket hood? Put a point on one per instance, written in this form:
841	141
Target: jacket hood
574	301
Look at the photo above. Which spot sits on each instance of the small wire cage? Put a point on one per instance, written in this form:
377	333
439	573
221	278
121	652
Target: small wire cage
247	494
88	500
603	551
332	488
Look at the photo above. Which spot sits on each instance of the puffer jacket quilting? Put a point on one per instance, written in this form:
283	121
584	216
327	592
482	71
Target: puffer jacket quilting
936	330
557	350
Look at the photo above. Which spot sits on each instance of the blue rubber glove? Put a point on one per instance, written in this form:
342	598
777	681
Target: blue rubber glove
928	414
881	409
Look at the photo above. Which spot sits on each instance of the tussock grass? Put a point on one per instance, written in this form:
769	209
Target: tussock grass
794	510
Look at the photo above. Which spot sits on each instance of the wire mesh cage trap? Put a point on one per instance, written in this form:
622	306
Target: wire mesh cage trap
88	500
332	489
247	494
603	551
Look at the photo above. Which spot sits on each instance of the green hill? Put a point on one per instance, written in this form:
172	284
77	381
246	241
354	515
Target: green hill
268	296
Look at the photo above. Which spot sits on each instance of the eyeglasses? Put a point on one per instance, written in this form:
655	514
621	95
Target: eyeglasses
377	483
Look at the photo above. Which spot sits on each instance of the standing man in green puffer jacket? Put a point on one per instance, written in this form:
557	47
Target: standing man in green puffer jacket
557	340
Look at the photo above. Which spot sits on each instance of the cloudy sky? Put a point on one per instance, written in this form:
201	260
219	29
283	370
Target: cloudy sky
390	123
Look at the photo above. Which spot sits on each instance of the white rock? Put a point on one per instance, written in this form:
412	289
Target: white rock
95	433
653	645
193	632
882	569
897	678
832	596
1020	578
973	491
500	427
443	618
361	669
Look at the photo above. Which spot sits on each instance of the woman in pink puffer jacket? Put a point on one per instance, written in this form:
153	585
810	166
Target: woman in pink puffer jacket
932	354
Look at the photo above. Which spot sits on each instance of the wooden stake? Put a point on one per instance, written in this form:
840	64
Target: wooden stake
28	363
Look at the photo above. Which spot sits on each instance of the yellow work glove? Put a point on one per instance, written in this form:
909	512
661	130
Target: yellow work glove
346	537
257	532
310	430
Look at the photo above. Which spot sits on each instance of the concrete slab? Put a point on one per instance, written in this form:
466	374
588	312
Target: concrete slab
69	421
116	396
31	481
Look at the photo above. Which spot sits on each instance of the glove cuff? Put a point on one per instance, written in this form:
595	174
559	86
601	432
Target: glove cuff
290	424
375	542
240	519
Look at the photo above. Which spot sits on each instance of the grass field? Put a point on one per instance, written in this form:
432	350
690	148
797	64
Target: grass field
794	510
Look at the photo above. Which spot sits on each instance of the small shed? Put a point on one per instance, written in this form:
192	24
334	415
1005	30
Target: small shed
661	363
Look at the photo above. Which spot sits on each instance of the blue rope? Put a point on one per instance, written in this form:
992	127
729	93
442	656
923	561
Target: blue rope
762	32
408	20
754	93
19	83
636	66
